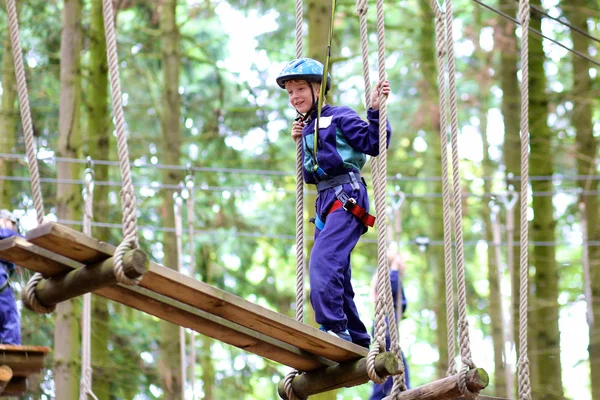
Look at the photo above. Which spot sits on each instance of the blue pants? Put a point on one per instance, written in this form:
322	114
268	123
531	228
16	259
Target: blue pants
10	325
382	390
331	294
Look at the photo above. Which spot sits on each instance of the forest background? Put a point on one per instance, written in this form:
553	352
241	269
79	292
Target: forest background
198	79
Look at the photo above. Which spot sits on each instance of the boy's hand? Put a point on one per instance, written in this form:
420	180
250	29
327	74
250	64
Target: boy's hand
297	130
381	87
5	223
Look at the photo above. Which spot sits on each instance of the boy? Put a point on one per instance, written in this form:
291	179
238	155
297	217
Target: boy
10	326
342	144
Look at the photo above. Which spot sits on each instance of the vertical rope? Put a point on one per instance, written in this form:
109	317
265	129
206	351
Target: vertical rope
441	37
189	183
36	191
85	384
128	200
585	260
509	202
361	9
523	369
299	214
177	205
28	295
463	324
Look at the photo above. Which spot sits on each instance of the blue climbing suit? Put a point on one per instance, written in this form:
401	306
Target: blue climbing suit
10	325
382	390
344	140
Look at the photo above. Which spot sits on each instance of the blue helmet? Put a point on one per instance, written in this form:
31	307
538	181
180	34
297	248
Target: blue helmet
303	69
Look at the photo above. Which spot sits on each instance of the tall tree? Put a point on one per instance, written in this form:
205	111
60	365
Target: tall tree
8	120
172	138
68	197
545	334
587	147
98	148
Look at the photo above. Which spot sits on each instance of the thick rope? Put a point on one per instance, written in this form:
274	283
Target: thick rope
177	205
523	368
36	191
28	295
85	384
189	183
128	200
463	324
440	33
299	212
361	9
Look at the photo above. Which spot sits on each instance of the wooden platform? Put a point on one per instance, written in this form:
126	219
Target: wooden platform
23	361
53	249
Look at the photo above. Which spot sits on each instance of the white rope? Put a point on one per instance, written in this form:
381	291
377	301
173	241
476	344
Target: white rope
128	199
299	212
28	295
177	205
189	183
85	384
441	38
523	366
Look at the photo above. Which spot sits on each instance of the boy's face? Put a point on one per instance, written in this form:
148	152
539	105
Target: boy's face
301	95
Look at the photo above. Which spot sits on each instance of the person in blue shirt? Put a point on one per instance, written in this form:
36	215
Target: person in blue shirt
397	267
335	148
10	325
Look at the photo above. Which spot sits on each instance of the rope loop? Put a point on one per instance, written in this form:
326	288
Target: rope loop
462	383
375	350
86	386
126	245
30	299
287	385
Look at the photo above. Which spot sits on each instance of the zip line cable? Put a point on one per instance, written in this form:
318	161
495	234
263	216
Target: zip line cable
539	33
395	178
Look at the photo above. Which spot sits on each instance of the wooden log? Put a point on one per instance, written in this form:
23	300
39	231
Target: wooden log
351	373
16	387
188	290
447	388
6	375
89	278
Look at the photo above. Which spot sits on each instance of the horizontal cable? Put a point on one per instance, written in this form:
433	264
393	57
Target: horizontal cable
397	177
255	235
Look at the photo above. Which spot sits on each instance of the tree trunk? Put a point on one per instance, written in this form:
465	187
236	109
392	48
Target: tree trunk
509	53
587	147
8	121
68	197
431	125
98	148
170	369
545	335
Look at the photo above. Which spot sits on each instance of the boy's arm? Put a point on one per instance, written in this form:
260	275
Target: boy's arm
363	136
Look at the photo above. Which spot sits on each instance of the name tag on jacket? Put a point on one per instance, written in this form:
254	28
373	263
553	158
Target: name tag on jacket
324	122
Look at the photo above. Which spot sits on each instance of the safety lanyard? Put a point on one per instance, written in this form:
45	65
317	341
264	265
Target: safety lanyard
316	167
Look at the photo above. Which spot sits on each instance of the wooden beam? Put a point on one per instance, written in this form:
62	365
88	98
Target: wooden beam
79	281
23	360
187	290
351	373
6	375
447	388
174	311
16	387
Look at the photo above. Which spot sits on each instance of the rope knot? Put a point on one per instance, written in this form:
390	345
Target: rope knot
375	350
126	245
29	297
287	385
462	383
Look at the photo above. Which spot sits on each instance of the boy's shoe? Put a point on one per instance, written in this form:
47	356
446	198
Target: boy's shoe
342	335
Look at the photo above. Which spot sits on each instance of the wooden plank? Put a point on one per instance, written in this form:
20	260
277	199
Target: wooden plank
19	251
185	315
23	360
198	294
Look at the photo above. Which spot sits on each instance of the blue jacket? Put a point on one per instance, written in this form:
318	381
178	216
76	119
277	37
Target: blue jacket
344	141
6	268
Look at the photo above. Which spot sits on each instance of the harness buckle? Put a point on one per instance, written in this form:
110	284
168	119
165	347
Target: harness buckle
349	203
